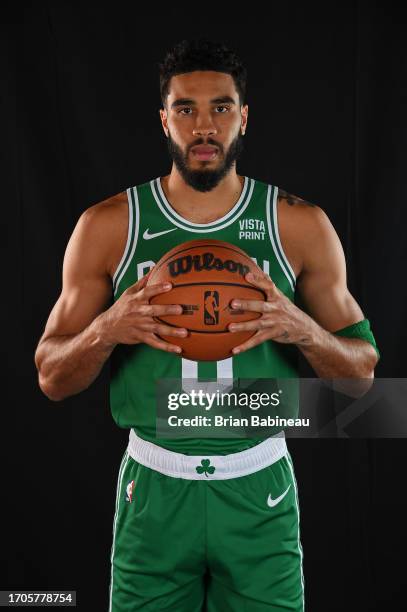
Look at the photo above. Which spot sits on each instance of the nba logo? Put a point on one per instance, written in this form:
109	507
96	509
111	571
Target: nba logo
129	491
211	308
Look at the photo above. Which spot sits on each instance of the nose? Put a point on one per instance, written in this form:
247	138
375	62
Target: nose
204	126
204	131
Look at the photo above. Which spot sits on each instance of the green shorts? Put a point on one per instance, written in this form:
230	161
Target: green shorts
206	534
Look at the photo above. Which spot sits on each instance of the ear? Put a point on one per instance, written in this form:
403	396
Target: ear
163	117
244	113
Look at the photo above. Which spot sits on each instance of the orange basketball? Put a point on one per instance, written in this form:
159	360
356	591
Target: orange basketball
206	276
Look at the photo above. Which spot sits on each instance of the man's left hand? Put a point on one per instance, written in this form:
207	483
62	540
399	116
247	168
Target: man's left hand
280	321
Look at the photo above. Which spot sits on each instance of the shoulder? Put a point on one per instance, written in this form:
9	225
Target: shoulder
105	225
301	218
112	207
305	230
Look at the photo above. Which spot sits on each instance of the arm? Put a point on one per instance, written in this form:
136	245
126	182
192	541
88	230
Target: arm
330	307
80	334
71	351
323	289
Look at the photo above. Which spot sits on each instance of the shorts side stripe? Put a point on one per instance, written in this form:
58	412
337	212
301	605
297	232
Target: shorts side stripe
290	462
122	469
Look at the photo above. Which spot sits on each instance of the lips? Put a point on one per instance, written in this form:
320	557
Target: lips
203	152
203	149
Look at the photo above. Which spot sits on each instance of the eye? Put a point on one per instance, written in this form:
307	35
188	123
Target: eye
187	108
226	108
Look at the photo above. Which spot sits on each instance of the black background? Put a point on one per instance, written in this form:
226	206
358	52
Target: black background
327	121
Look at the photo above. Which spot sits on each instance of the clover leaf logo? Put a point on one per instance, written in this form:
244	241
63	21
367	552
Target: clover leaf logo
205	467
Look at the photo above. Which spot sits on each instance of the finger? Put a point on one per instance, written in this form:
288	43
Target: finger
164	330
258	338
148	292
255	324
141	283
156	342
262	280
144	279
254	305
156	310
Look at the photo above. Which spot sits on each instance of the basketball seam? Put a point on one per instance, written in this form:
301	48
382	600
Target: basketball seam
199	331
203	283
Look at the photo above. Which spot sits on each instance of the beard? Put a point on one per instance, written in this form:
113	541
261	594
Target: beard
205	180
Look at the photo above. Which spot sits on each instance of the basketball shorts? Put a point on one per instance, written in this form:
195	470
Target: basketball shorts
206	534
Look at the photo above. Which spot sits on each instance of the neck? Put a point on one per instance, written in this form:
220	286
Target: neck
199	207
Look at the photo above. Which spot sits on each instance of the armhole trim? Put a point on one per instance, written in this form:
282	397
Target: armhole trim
272	222
132	233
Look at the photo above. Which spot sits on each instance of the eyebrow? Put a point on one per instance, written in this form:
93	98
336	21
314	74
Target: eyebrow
221	100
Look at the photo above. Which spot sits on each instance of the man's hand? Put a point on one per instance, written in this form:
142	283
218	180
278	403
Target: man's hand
131	318
280	321
330	356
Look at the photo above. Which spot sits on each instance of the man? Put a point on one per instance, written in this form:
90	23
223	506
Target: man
189	508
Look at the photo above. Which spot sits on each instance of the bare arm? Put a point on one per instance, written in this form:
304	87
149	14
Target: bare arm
323	288
71	352
81	333
329	305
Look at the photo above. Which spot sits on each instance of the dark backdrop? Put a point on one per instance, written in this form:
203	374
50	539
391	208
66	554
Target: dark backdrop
327	99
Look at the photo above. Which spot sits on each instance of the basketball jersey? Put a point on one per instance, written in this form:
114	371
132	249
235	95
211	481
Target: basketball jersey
154	228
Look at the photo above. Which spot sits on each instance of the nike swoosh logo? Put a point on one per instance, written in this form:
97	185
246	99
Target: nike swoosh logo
147	235
273	502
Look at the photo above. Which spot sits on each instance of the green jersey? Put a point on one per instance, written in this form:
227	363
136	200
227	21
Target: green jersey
154	228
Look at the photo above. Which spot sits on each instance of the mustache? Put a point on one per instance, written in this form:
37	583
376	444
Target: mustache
209	141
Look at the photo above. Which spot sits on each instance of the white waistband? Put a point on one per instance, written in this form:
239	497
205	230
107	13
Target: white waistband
209	467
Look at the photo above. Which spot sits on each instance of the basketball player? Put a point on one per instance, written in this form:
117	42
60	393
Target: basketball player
189	508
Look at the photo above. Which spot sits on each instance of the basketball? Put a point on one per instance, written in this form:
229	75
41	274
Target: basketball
206	276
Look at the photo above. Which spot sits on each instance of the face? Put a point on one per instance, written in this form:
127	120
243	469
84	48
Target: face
204	123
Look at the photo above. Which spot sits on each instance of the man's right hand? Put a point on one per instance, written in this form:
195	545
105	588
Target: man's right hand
131	318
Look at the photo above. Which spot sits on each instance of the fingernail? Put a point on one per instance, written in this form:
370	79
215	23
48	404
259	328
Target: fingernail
236	304
232	327
235	351
250	275
167	285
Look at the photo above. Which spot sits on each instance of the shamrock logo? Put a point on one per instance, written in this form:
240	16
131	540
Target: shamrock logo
205	467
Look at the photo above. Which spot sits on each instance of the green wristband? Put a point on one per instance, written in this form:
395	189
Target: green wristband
359	330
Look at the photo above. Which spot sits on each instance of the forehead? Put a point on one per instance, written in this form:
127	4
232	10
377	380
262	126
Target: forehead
201	84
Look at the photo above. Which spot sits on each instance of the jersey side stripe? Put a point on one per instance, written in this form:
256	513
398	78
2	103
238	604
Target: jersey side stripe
277	235
273	240
133	241
129	232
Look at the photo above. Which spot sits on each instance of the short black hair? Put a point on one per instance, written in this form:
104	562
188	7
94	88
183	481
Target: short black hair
202	54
